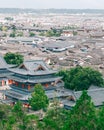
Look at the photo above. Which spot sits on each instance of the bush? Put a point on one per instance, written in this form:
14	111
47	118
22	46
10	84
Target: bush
81	78
13	58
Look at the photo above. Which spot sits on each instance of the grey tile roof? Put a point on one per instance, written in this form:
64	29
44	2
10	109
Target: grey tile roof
31	67
40	80
97	96
3	63
58	94
22	39
54	44
17	94
27	72
68	103
17	79
21	95
7	101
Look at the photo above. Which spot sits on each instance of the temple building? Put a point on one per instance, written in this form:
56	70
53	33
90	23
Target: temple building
4	72
27	75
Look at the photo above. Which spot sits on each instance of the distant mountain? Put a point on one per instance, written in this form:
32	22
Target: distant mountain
58	11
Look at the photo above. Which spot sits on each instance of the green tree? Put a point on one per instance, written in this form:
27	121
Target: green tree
6	122
13	58
63	73
54	120
31	34
4	28
18	110
13	34
9	18
53	33
55	117
23	121
83	115
19	115
13	27
49	33
20	34
16	118
38	98
42	34
75	33
2	114
101	118
80	78
0	27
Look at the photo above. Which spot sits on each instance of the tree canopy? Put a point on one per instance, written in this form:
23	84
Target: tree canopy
13	34
80	78
101	119
83	115
38	98
13	58
51	33
22	120
31	34
54	119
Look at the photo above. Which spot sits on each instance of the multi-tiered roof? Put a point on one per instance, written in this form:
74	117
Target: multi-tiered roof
33	72
27	75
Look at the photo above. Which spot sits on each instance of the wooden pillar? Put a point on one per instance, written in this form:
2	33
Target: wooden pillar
23	85
17	84
29	87
46	85
10	81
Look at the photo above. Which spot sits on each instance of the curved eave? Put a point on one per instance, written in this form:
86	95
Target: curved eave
28	73
45	80
16	95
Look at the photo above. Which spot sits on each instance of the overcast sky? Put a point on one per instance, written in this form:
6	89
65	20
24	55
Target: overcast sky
70	4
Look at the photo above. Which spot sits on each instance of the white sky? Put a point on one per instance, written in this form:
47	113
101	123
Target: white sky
37	4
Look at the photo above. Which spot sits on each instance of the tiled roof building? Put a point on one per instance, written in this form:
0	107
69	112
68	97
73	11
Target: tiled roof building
27	75
3	72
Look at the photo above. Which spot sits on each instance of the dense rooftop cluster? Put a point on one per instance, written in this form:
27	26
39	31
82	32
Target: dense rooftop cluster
49	43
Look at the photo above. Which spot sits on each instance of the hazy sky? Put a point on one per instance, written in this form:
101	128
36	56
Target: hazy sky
70	4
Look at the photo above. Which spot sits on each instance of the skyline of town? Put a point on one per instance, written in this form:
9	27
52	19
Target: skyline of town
51	65
38	4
